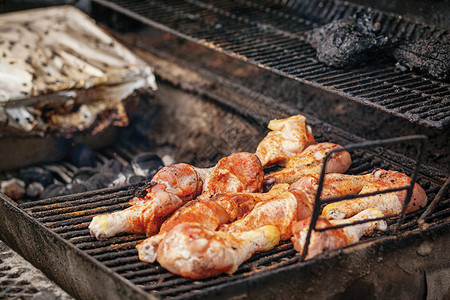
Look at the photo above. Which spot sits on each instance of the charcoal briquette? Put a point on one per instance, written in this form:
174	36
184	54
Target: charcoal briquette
146	164
54	190
82	156
135	179
83	174
36	174
34	189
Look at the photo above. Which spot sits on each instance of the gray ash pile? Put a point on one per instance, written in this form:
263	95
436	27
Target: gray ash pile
348	41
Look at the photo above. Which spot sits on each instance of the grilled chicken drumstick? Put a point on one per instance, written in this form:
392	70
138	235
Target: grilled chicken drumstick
239	172
193	251
388	204
310	161
210	213
288	137
322	241
297	202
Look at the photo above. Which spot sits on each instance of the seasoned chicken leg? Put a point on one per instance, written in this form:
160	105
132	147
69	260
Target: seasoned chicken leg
190	250
322	241
174	185
309	162
296	203
388	204
288	137
334	185
239	172
210	213
281	211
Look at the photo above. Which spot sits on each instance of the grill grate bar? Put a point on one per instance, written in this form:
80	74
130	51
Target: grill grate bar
110	256
132	267
436	112
403	101
266	34
58	213
89	243
121	261
113	248
62	201
79	216
77	233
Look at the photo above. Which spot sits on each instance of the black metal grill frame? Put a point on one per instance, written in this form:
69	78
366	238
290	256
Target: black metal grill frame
318	202
259	33
68	218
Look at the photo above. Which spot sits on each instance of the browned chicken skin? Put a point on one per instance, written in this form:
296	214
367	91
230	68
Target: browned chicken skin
288	137
175	184
280	212
297	202
239	172
308	162
210	213
322	241
193	251
388	204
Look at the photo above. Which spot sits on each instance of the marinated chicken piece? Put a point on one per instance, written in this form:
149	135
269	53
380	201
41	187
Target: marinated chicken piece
296	203
334	185
183	180
287	206
280	212
210	213
323	241
239	172
190	250
388	204
348	41
288	137
308	162
430	56
172	186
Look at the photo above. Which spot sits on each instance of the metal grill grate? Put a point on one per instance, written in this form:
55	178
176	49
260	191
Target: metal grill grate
271	34
69	216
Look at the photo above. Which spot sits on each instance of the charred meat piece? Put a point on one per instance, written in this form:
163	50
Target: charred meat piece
348	41
428	56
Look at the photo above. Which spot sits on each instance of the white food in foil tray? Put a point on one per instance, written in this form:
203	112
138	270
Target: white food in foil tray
59	58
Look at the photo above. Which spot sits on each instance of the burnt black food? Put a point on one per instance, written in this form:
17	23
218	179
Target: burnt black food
347	41
429	56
